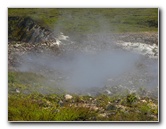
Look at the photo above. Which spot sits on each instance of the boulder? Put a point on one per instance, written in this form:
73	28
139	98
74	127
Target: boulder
68	97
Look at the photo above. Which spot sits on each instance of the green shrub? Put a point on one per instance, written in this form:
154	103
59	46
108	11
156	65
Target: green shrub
131	98
152	22
144	109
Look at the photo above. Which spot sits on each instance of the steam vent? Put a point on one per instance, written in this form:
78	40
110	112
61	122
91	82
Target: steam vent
95	65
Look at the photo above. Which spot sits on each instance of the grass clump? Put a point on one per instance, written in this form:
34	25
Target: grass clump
131	98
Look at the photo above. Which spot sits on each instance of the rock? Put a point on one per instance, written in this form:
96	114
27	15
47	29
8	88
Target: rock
16	45
117	101
68	97
60	103
141	48
123	108
48	103
17	91
144	101
102	115
144	37
26	29
94	108
62	37
153	116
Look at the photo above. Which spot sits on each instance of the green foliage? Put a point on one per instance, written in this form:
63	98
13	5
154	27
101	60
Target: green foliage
45	17
11	77
36	107
131	98
29	108
144	109
75	114
24	77
29	82
92	20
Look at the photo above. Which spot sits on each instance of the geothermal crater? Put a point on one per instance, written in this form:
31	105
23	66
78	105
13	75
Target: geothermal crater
101	62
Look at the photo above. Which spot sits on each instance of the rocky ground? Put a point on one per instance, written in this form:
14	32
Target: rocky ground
104	106
143	43
146	42
141	37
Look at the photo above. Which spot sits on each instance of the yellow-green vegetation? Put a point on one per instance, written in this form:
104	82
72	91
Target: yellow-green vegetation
35	105
38	107
28	82
92	20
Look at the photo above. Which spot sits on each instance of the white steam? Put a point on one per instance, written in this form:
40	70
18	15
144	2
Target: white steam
92	61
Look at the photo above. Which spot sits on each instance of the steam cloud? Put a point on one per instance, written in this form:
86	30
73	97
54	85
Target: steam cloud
92	61
81	69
